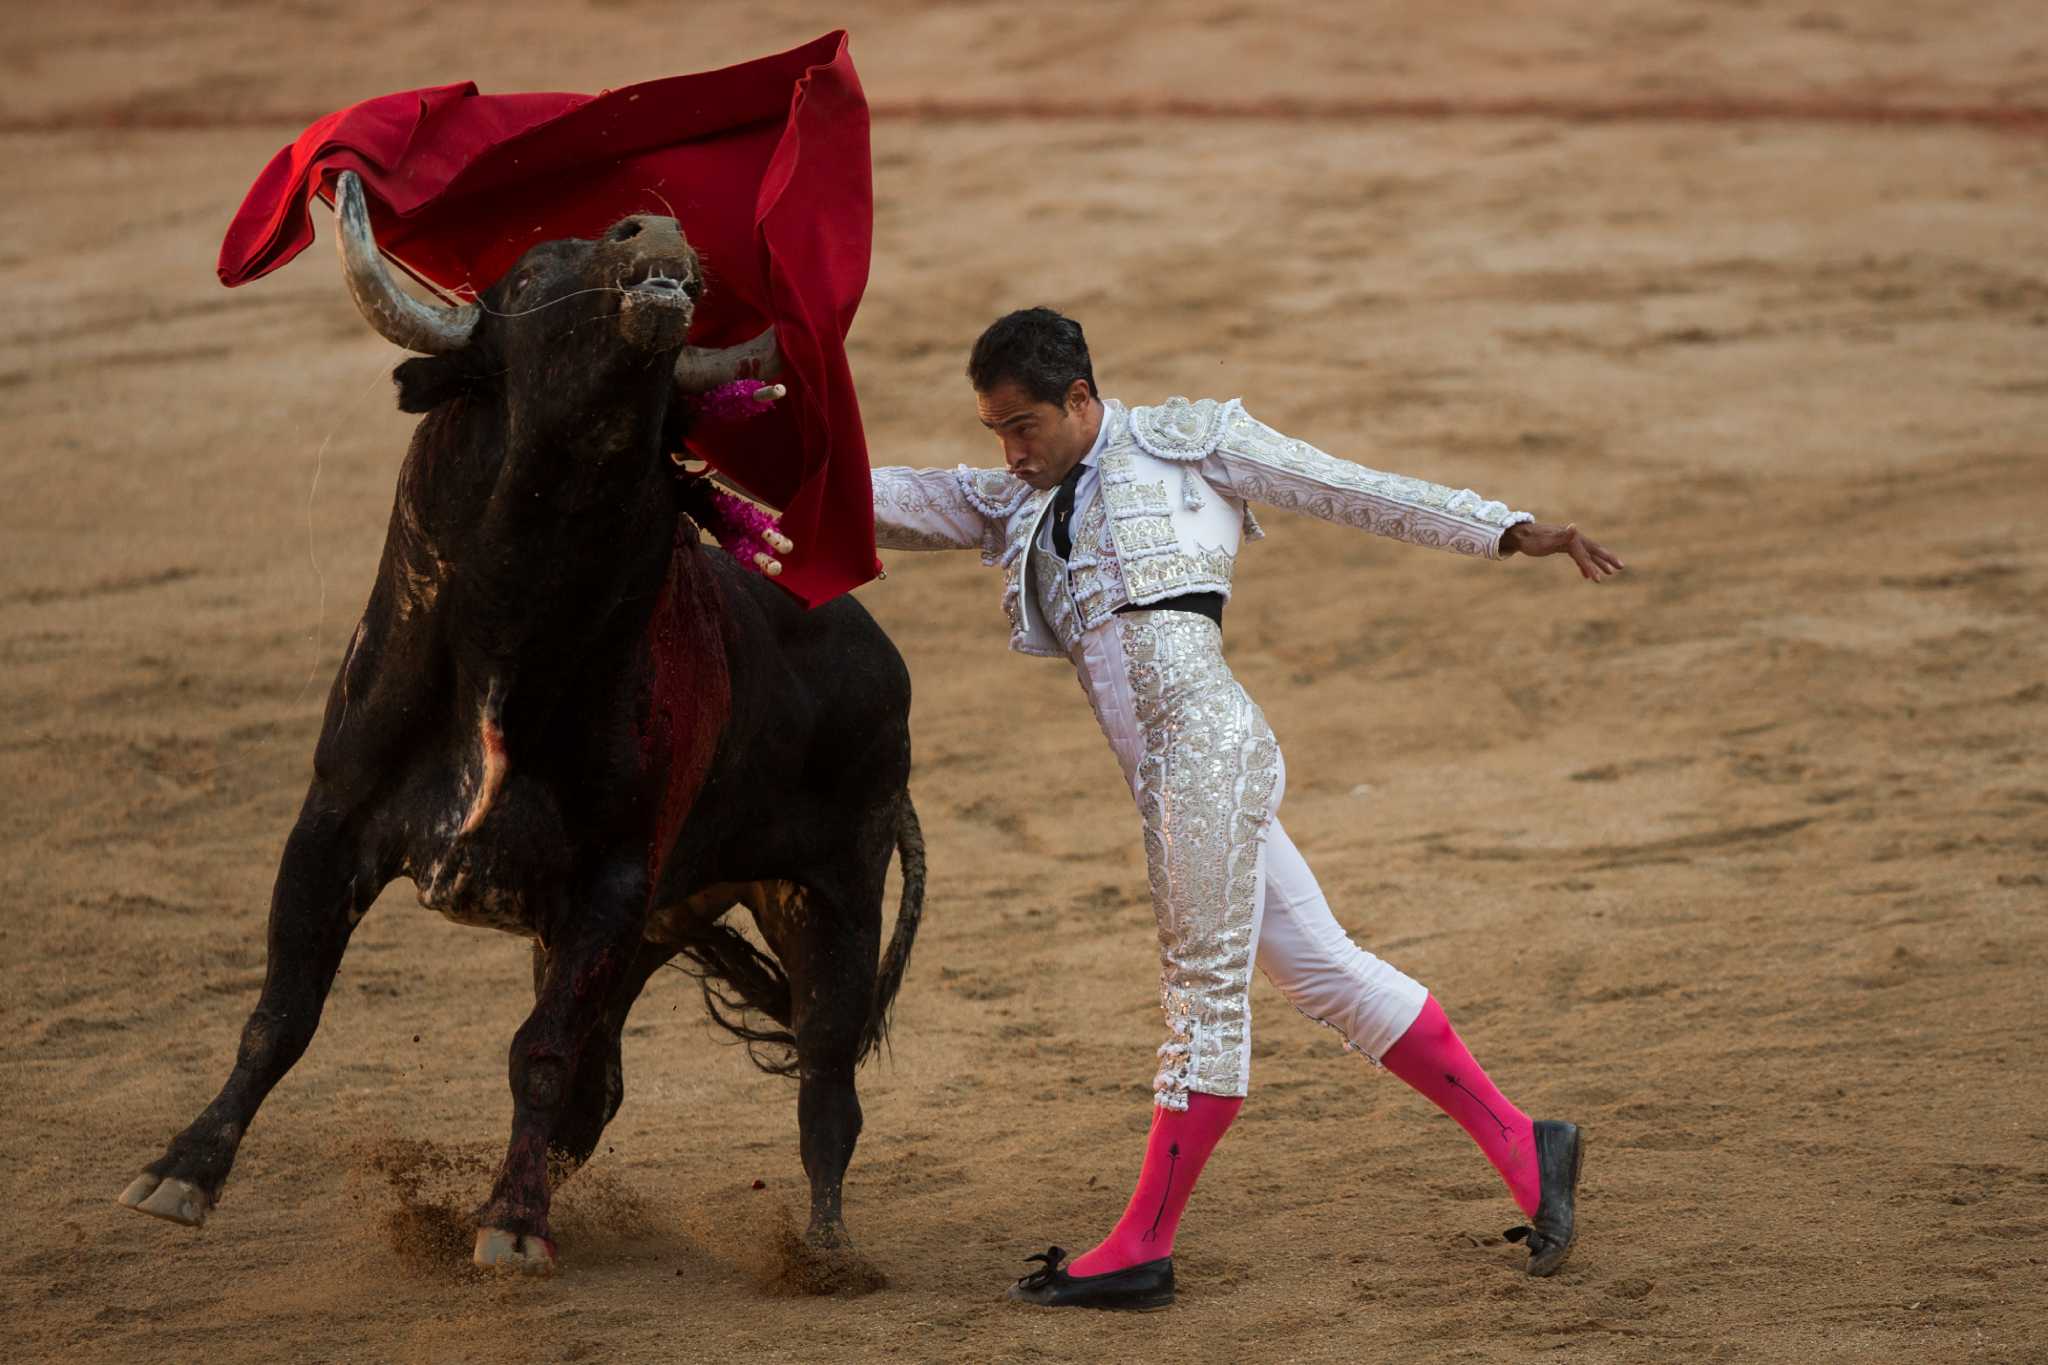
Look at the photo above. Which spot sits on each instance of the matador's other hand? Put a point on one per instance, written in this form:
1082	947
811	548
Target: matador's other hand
1536	538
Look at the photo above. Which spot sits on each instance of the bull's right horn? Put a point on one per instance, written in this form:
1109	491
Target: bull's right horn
700	369
401	319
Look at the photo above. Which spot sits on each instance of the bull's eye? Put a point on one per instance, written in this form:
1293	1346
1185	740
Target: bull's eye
694	287
625	231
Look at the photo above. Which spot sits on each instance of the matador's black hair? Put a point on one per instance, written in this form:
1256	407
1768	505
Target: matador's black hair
1040	351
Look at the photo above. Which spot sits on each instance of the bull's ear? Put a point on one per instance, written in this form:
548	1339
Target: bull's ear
426	382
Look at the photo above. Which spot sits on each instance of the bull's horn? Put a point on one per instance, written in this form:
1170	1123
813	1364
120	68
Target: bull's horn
699	370
401	319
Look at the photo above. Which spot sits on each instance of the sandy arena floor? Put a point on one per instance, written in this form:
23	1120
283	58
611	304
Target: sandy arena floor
1740	861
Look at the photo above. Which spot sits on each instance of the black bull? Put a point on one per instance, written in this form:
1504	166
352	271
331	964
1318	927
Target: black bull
561	718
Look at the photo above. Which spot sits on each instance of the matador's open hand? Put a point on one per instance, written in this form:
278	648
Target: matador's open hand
1538	538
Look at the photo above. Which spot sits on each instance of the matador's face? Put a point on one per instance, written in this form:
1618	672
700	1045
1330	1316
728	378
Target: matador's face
1041	440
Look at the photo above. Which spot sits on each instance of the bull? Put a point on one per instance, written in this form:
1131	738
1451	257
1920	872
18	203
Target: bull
561	718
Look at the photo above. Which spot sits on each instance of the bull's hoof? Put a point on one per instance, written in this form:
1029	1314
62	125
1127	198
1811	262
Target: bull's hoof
167	1197
828	1236
497	1249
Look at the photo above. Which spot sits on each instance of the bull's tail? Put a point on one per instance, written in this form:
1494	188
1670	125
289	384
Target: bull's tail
743	985
740	982
909	913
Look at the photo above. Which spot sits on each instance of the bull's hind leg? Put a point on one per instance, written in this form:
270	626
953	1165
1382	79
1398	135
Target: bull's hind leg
600	938
319	896
829	948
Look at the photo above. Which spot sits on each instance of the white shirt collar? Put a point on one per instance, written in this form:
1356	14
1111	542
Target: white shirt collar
1101	438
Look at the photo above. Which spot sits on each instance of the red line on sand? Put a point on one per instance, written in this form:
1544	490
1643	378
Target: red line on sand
2015	118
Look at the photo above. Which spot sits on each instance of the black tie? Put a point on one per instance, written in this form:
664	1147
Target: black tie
1063	511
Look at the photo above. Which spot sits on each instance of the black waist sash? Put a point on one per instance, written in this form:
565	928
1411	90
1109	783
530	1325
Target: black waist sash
1209	604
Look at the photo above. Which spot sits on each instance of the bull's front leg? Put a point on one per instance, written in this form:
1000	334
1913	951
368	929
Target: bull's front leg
322	891
596	944
600	1084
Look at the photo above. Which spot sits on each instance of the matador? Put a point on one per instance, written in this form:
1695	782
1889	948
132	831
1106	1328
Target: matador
1117	529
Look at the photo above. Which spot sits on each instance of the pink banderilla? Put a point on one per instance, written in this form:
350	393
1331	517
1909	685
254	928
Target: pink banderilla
747	533
736	400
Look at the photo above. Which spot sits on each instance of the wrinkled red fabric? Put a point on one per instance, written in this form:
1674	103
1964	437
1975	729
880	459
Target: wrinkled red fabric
764	164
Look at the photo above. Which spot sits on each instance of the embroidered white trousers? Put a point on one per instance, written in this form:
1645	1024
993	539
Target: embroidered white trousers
1228	886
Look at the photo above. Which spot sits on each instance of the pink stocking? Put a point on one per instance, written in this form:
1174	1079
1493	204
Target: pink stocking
1174	1155
1432	1058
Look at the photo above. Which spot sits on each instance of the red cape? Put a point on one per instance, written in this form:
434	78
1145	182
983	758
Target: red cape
764	164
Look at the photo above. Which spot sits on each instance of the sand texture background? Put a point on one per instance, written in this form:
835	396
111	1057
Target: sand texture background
1740	861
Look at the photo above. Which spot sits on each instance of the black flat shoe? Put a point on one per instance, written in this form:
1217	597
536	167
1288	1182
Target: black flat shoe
1559	1150
1137	1288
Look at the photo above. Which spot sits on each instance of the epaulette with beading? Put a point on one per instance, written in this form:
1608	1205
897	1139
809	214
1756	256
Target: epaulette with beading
1181	429
995	493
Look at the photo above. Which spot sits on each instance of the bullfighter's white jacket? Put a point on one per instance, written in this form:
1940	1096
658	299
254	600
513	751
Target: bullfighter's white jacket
1172	513
1163	515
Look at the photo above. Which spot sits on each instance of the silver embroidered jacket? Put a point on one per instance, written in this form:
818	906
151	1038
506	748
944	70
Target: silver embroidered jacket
1168	518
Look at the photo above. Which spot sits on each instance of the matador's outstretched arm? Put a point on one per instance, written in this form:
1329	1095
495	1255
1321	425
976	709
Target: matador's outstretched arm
944	509
1259	464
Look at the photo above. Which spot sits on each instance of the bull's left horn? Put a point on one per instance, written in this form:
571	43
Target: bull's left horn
401	319
699	370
